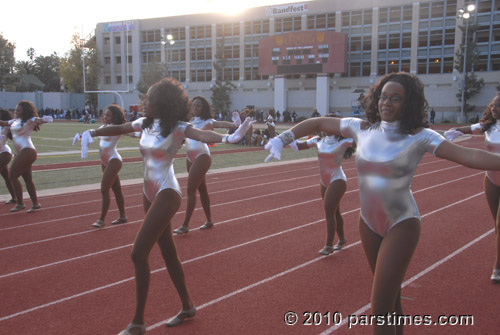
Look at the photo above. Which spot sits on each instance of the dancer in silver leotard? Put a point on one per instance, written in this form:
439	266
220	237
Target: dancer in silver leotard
111	163
6	153
390	144
196	148
385	170
26	120
198	162
331	151
107	148
163	130
158	155
489	126
4	136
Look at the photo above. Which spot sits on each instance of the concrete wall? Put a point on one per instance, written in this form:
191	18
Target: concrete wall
54	100
440	91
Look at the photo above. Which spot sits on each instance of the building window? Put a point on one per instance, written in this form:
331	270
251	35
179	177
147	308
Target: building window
357	25
106	40
129	59
118	59
107	80
436	37
152	36
118	40
228	29
201	32
118	79
495	62
394	39
287	24
107	60
130	79
256	28
321	22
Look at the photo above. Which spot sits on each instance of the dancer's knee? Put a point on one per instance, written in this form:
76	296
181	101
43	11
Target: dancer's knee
139	257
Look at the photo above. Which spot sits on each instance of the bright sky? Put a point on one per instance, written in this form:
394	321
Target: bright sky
47	26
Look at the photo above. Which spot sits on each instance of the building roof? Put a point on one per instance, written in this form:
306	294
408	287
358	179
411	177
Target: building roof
30	79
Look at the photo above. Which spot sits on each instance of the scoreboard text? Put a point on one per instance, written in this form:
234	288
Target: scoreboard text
303	52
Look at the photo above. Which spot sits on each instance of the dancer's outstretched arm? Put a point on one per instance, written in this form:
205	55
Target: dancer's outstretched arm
209	136
328	125
473	158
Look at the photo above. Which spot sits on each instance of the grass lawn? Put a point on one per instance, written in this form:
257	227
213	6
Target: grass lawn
53	143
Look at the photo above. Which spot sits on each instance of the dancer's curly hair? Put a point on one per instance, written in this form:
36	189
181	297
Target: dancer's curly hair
488	120
6	115
28	111
170	102
118	116
414	111
206	110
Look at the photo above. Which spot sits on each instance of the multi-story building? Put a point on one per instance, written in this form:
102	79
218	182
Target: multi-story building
382	36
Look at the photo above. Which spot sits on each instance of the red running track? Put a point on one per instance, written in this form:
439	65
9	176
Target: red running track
58	275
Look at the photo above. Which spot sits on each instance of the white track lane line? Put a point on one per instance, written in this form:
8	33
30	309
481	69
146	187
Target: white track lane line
215	192
232	202
214	253
281	274
426	270
209	183
128	207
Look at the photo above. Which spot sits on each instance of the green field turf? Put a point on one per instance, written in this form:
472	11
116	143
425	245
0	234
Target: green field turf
54	145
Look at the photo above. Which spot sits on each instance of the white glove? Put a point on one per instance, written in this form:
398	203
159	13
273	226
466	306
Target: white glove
294	146
452	134
241	131
86	140
76	138
47	118
236	119
275	146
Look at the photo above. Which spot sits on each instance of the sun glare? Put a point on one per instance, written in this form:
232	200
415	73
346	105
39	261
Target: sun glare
231	7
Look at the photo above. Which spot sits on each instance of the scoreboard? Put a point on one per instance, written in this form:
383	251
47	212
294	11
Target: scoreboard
303	52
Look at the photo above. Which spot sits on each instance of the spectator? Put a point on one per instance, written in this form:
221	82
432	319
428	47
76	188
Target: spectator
256	138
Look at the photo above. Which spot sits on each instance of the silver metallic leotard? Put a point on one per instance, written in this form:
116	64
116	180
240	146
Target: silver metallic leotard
492	140
386	161
158	156
4	132
195	148
21	133
107	148
330	154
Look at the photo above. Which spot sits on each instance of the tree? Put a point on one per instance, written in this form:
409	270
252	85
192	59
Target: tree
472	84
7	64
46	68
71	67
153	73
221	101
92	73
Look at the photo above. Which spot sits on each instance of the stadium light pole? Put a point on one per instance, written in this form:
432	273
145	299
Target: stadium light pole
465	14
169	40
